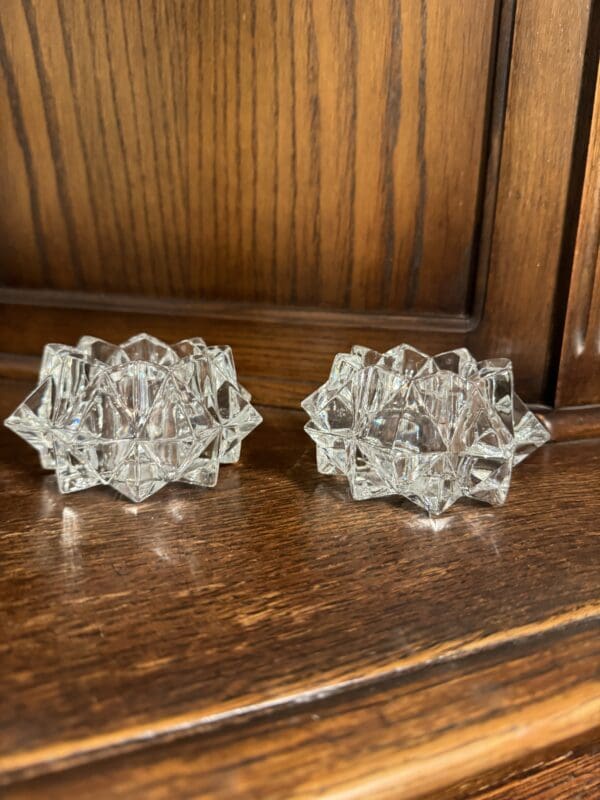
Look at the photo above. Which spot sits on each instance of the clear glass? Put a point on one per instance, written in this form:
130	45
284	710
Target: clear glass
431	429
135	416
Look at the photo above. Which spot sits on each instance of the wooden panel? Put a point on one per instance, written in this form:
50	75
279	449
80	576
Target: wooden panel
538	142
281	358
430	733
122	622
283	350
579	374
305	153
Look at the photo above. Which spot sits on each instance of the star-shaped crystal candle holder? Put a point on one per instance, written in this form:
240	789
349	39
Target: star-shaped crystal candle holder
431	429
135	416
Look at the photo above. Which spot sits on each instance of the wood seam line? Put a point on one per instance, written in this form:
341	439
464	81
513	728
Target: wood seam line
62	755
237	311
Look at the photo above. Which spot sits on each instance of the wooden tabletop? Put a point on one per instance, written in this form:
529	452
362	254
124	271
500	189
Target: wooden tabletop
271	638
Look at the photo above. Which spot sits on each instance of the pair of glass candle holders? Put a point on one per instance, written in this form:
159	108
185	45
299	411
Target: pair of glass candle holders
136	416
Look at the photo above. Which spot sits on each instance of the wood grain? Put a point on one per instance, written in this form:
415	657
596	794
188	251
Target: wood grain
425	734
579	372
570	423
571	777
523	287
254	150
281	357
362	275
202	609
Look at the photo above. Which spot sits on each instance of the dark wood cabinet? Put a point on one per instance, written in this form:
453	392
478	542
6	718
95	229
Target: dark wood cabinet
292	177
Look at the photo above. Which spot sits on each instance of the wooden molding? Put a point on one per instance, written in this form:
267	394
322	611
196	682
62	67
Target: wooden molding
238	311
281	357
579	371
572	422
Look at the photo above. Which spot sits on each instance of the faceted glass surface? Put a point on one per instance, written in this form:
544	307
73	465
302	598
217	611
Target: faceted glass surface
136	415
432	429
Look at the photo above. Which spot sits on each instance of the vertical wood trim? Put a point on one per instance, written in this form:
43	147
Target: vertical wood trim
534	180
579	371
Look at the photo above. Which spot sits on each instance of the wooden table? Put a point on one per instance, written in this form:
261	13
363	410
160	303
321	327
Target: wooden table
270	638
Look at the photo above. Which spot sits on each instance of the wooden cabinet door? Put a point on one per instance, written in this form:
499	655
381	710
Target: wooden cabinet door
289	177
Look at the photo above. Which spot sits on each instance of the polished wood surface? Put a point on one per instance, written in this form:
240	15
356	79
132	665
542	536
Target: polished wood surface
579	371
423	177
430	733
270	636
291	153
572	422
571	777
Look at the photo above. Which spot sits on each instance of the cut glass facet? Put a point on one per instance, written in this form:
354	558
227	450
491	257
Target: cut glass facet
137	415
432	429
